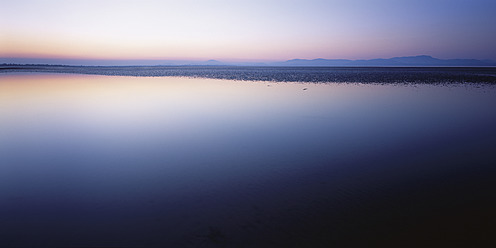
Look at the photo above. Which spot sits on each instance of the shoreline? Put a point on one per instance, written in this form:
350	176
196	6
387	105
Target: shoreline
381	75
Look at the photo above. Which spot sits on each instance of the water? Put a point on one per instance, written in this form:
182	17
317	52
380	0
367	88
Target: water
117	161
379	75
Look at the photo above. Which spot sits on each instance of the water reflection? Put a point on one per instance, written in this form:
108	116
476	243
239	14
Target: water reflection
125	161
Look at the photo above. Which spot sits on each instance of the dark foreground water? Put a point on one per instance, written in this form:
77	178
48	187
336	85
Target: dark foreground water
112	161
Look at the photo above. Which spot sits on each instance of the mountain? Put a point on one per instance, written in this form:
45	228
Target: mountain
422	60
208	62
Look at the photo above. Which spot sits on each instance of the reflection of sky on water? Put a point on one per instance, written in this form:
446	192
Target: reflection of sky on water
120	152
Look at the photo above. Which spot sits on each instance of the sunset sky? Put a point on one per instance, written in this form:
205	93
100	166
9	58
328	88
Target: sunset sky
250	30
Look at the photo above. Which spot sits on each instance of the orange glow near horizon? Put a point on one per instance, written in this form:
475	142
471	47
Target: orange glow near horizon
61	47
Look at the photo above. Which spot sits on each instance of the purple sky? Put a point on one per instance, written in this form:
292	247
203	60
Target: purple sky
254	30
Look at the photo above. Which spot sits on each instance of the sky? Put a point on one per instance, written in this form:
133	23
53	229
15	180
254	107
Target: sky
250	30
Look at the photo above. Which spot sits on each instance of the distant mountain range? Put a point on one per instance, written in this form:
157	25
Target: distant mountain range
422	60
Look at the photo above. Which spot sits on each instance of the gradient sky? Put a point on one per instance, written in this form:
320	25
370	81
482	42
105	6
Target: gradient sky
251	30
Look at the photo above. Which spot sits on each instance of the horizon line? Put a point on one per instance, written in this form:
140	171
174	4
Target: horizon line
185	62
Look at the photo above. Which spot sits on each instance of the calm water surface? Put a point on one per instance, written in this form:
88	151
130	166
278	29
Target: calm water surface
113	161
